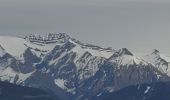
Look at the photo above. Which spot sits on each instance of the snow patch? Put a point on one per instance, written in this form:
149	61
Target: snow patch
127	60
80	50
13	45
159	61
9	74
16	46
60	83
99	94
147	89
166	58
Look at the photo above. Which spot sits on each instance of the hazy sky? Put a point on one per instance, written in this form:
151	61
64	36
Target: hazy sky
140	25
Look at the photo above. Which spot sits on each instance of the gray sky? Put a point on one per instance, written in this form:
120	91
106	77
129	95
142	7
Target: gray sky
139	25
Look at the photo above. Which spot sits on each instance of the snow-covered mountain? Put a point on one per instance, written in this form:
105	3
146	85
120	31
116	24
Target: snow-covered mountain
75	70
160	61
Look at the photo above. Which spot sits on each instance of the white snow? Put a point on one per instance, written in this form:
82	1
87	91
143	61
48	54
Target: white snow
9	74
72	91
151	58
127	60
99	53
16	46
110	88
156	59
147	90
44	48
167	58
13	45
93	61
23	77
103	53
60	83
99	94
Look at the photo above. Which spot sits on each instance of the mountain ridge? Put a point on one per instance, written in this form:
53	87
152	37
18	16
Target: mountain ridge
75	70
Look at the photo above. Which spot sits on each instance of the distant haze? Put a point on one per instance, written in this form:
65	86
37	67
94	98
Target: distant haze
139	25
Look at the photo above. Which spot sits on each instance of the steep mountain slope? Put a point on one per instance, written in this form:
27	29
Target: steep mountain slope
160	61
67	68
119	71
88	75
7	66
17	46
11	69
19	56
13	45
73	70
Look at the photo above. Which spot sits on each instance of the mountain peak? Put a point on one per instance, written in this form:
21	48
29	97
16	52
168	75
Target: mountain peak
48	38
124	51
2	51
155	51
121	52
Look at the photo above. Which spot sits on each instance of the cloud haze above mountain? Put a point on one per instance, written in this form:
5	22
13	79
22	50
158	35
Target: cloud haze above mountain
139	25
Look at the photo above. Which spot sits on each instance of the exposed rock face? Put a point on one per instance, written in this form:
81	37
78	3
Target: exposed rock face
77	71
29	60
88	75
7	67
159	61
